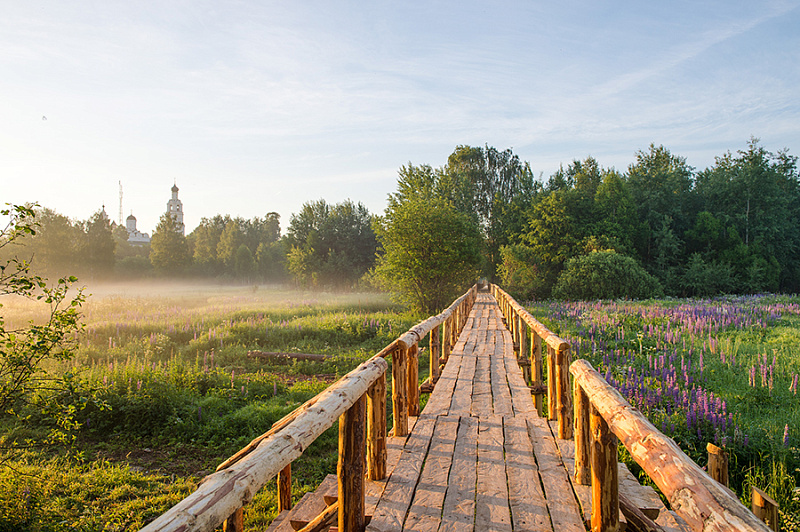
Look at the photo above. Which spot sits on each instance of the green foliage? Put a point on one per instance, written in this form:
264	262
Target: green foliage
330	245
519	273
169	252
99	245
25	351
430	253
605	275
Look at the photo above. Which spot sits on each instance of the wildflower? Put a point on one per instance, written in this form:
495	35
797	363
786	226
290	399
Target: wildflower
786	436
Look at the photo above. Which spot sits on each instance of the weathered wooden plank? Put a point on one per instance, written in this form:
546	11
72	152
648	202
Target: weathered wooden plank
481	403
426	507
501	394
491	502
458	511
526	498
564	512
521	399
327	491
462	395
306	509
442	395
399	491
672	522
643	497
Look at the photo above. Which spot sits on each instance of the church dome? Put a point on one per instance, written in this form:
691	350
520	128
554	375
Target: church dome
131	217
174	188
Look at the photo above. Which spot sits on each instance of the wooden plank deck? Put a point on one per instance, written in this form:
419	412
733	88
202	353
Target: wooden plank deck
479	457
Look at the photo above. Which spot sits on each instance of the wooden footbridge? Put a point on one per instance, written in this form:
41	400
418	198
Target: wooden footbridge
495	448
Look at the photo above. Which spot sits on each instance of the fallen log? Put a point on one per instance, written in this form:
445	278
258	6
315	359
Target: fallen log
288	356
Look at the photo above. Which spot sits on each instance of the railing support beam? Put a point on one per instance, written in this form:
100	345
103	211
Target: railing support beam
376	429
350	469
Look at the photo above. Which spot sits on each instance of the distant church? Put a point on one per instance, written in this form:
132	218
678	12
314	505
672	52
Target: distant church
174	209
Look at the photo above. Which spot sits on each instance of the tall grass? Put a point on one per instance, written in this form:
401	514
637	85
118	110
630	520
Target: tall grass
162	391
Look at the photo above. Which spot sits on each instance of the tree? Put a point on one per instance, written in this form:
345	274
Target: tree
99	245
754	194
169	252
494	185
244	264
660	184
229	242
271	261
25	351
430	252
55	245
330	245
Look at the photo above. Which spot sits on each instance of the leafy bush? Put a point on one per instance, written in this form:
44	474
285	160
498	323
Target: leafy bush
519	272
605	275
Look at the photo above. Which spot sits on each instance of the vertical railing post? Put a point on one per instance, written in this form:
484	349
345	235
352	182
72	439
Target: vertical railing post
400	392
552	384
235	523
446	340
435	349
605	487
453	328
523	349
536	369
564	394
717	464
583	464
350	469
376	429
285	489
765	508
412	382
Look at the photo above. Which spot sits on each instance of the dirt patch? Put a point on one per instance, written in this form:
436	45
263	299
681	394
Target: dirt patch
289	380
179	460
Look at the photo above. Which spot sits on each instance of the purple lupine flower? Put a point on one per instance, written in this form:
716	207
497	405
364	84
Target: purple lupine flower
786	436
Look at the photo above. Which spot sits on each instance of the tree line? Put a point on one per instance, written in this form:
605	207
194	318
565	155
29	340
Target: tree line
659	227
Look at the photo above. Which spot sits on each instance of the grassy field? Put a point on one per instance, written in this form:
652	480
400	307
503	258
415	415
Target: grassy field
162	390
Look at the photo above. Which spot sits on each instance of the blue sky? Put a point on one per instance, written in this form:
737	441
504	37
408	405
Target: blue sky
257	106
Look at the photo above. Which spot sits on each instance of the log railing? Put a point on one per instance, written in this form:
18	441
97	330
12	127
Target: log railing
358	401
527	331
601	416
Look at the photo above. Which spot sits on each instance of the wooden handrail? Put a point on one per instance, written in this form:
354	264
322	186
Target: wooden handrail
702	502
539	328
559	403
224	492
418	332
358	401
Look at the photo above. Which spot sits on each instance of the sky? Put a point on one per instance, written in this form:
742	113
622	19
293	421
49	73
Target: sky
254	106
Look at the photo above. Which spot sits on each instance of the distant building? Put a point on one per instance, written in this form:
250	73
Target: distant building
175	208
134	236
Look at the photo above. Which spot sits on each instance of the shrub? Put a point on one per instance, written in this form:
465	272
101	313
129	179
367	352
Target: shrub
605	275
519	272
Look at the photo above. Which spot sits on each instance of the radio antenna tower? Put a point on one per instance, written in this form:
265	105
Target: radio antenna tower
120	203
